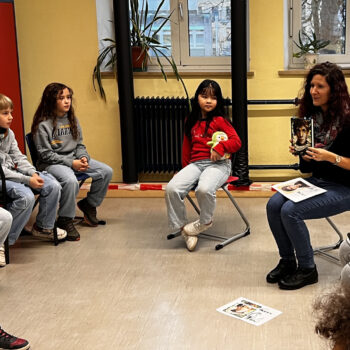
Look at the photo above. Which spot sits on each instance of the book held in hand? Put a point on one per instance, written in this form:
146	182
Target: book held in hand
302	134
298	189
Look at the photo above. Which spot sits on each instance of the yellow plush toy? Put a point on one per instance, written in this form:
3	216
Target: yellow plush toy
217	137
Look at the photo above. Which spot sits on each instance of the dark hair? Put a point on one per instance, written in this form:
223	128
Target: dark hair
339	100
299	122
47	108
213	88
332	311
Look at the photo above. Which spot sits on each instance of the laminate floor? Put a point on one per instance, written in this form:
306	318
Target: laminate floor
125	286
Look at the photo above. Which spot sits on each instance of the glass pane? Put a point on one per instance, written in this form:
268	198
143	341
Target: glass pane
209	27
164	35
327	19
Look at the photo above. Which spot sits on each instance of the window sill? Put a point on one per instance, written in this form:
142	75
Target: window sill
303	72
109	75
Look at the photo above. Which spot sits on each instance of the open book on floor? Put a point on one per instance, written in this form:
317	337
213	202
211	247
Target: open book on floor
298	189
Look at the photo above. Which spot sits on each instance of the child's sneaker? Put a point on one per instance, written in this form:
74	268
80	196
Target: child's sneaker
89	212
191	241
48	233
68	225
8	341
195	228
2	256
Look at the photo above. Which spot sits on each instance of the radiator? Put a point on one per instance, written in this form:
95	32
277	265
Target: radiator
160	127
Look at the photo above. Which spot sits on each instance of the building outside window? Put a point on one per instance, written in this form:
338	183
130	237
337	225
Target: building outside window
329	20
198	36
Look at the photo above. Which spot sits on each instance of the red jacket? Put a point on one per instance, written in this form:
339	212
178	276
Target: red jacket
196	148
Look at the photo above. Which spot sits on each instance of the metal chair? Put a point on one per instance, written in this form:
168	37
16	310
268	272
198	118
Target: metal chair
224	240
323	250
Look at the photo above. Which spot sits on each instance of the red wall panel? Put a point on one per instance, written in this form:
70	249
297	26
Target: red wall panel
9	68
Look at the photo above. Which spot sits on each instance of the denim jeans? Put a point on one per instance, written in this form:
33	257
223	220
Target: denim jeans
286	219
210	176
5	224
22	202
101	175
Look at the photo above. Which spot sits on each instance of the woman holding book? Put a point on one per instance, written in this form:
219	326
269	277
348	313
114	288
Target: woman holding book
326	100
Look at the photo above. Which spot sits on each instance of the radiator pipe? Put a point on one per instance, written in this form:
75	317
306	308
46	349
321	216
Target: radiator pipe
239	86
273	166
125	90
274	102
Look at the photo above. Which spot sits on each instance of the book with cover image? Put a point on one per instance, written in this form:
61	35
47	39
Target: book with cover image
302	130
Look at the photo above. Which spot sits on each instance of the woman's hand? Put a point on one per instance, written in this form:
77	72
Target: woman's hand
214	156
319	155
291	147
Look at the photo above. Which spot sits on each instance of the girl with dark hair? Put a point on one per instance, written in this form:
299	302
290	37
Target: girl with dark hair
326	100
202	166
61	152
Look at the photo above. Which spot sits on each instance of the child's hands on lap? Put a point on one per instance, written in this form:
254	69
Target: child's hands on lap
215	156
80	164
36	181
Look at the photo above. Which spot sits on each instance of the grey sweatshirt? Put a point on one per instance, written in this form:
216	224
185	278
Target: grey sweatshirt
58	146
15	164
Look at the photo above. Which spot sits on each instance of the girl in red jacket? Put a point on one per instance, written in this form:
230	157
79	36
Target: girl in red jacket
203	166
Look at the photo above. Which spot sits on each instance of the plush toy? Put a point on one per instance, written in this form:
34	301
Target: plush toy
217	137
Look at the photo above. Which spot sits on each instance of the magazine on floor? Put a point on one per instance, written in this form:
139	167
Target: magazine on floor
249	311
298	189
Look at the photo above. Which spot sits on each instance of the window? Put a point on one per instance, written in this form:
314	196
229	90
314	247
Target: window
198	37
329	20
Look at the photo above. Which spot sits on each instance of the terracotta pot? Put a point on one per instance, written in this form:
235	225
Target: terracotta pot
139	63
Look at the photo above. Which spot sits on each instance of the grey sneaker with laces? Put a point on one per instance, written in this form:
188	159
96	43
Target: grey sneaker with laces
195	228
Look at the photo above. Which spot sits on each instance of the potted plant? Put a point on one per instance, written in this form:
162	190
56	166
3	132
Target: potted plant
144	43
309	48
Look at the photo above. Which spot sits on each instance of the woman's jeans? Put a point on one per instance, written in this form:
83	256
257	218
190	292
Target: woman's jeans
210	176
22	201
101	175
286	219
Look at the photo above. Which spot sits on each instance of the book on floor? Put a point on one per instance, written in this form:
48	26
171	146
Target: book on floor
249	311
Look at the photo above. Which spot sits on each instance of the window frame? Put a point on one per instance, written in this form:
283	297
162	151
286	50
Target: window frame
294	25
179	38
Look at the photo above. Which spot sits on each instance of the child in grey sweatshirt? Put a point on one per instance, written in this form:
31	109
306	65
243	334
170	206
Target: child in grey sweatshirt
61	152
23	181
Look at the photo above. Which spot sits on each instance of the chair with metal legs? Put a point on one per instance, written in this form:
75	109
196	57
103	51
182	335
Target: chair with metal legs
323	250
224	241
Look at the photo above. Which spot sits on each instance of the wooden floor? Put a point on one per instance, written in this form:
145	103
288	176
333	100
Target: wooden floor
125	286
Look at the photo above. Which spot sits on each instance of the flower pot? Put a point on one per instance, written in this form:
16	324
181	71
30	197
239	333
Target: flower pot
310	59
139	63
